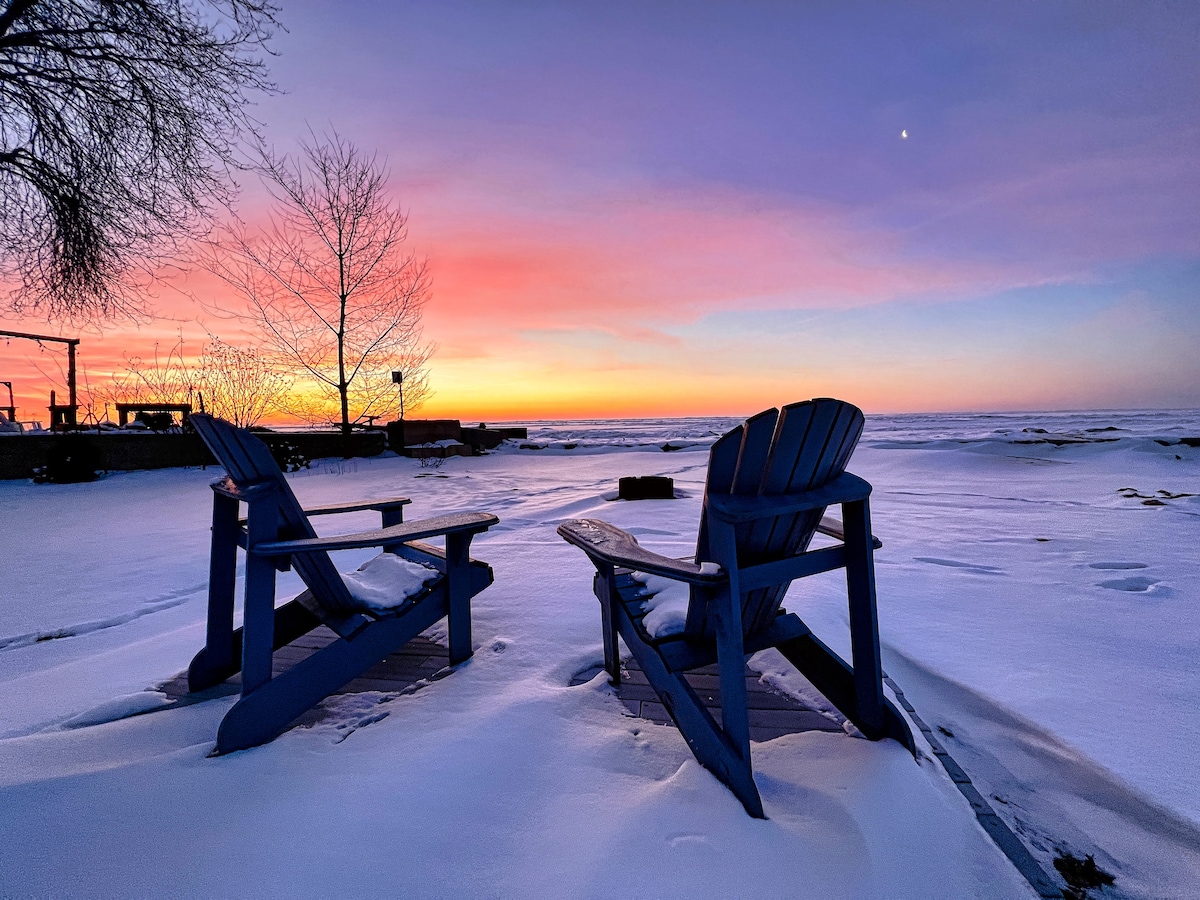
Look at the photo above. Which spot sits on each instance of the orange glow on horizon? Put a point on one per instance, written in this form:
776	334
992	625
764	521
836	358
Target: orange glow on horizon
631	306
614	226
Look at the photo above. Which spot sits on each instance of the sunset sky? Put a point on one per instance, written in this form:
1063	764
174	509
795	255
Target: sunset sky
693	208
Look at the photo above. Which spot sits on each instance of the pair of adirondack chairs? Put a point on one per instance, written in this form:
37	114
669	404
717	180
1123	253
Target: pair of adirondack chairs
276	534
769	483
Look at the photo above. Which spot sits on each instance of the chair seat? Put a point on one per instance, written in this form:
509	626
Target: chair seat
387	581
631	592
662	603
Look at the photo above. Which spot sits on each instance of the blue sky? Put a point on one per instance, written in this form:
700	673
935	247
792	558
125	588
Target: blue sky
651	208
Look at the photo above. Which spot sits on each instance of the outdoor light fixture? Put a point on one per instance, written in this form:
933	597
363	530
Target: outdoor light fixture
398	379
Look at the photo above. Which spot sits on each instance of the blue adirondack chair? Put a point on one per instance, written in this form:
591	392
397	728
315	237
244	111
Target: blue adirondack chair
769	482
276	534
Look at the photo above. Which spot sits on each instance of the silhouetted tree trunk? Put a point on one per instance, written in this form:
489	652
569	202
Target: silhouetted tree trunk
118	123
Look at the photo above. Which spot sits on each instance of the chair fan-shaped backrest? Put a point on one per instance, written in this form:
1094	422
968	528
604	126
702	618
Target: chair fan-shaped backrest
248	461
803	446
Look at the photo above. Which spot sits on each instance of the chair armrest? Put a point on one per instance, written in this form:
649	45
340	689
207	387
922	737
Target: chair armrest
833	528
736	508
605	542
383	505
226	487
457	523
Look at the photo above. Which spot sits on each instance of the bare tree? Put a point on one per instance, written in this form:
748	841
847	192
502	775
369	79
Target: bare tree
118	125
159	379
329	282
240	383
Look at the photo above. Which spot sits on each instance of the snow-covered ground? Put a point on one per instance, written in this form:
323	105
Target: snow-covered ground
1034	607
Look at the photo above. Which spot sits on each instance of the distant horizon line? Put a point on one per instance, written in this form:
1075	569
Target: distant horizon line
981	413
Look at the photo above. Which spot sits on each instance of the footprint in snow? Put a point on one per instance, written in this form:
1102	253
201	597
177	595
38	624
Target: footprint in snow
1136	584
679	840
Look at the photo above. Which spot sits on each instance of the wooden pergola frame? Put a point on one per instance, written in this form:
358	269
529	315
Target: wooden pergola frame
69	411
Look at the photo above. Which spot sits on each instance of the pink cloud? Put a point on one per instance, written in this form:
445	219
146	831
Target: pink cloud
633	261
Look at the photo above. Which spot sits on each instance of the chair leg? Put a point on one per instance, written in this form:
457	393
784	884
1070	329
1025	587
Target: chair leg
710	744
217	655
266	713
258	608
458	589
864	621
713	746
605	588
833	677
731	661
222	576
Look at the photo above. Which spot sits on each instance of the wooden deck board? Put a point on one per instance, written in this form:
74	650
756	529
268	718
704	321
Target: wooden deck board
422	660
409	668
771	713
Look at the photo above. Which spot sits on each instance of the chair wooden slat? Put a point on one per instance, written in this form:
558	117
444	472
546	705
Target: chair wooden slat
766	539
251	460
722	466
754	453
832	432
723	460
757	450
